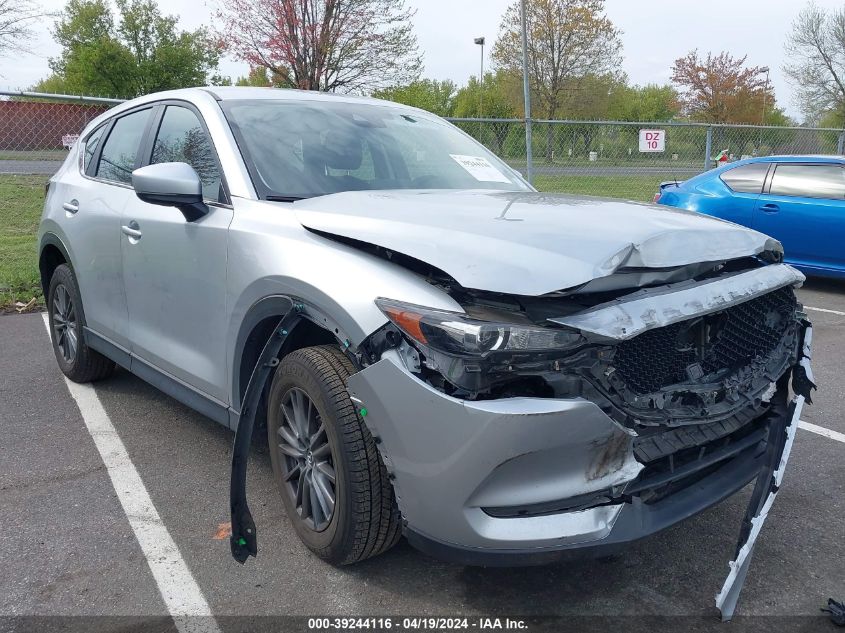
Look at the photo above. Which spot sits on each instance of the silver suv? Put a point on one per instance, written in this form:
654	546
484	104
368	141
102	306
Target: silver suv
435	348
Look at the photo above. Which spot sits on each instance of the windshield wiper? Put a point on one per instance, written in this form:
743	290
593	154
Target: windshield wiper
285	198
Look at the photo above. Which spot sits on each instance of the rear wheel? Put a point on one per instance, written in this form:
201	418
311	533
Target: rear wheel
333	483
77	361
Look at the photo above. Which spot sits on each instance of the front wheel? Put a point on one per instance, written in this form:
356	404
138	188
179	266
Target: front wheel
77	361
334	486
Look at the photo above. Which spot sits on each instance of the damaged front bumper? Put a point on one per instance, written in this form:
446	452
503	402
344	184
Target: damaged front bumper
768	480
521	481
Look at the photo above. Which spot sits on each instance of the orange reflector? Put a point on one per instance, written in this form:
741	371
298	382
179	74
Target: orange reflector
408	321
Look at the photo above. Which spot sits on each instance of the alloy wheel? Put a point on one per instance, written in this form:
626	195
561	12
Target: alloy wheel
64	323
308	462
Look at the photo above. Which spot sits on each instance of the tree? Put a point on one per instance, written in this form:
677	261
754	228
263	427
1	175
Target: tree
643	103
568	40
720	89
257	77
816	46
429	94
333	45
143	52
16	20
489	99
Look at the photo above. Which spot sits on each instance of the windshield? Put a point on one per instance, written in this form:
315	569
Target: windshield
300	149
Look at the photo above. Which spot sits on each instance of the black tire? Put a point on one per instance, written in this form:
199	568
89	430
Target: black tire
365	520
77	361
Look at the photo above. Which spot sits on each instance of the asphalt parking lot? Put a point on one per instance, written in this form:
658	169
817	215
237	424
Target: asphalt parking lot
67	547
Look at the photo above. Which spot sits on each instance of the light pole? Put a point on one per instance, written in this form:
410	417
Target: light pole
526	91
480	42
765	69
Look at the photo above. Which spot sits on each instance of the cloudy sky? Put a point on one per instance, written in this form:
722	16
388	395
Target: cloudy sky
655	33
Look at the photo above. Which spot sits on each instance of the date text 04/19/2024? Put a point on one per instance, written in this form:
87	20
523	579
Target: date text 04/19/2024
409	623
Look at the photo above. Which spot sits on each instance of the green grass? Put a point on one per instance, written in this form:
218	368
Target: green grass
640	188
34	154
21	201
631	161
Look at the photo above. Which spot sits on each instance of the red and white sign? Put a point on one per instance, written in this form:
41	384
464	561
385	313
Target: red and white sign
652	140
69	139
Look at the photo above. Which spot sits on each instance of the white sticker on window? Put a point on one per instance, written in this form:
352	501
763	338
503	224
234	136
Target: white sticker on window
480	168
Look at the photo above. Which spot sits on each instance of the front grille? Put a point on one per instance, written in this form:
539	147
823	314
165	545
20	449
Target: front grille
676	471
722	342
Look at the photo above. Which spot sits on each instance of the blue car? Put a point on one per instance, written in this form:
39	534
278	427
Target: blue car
798	200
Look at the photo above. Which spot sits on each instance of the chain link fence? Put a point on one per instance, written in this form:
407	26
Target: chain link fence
603	158
586	157
583	157
40	128
36	131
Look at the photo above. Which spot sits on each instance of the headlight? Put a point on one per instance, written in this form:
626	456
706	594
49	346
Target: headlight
457	334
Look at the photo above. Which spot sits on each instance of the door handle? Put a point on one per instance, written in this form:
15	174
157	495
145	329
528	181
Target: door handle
770	208
71	207
132	230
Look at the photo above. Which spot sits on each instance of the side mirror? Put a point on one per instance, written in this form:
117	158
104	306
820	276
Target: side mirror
171	185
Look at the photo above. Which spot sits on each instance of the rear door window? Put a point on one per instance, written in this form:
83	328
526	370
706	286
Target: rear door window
746	178
809	181
120	151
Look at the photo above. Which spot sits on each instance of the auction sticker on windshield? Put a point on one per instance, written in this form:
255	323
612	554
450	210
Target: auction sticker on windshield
480	168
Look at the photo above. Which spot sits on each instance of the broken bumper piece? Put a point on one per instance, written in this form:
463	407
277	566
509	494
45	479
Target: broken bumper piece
768	481
521	481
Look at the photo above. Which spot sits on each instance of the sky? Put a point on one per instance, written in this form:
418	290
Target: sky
654	34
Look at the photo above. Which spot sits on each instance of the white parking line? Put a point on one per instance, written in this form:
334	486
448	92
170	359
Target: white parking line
824	310
820	430
181	593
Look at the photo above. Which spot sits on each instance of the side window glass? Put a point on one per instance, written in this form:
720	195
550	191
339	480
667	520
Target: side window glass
121	149
747	178
809	181
91	144
182	139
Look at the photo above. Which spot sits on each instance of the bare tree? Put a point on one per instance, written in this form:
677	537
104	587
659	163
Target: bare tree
568	40
16	20
346	45
816	47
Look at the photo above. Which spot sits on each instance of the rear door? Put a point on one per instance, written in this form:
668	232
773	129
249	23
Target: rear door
745	183
93	204
803	206
175	272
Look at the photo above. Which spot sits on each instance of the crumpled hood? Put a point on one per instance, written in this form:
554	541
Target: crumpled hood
528	243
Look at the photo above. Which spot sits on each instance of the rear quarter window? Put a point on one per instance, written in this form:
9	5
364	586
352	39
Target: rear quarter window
91	144
746	178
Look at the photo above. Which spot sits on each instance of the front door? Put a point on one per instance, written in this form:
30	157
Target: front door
174	271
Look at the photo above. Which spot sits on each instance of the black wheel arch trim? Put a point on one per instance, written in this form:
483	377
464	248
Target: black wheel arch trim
51	239
243	540
271	309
